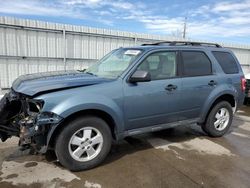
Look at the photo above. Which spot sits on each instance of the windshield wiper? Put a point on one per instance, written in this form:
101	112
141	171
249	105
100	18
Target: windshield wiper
83	70
90	73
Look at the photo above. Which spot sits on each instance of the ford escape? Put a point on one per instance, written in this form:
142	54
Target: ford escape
130	91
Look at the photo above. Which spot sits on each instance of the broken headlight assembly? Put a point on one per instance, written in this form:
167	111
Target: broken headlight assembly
34	106
48	118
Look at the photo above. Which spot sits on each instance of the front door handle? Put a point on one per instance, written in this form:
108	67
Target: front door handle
212	83
171	87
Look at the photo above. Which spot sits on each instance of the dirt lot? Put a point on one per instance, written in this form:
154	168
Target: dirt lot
179	157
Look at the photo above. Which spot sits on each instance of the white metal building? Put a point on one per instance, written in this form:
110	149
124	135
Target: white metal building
29	46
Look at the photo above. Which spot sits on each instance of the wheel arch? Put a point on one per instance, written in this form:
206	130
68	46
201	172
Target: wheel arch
53	134
229	97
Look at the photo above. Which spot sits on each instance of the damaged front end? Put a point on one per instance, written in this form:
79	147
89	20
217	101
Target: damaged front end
22	116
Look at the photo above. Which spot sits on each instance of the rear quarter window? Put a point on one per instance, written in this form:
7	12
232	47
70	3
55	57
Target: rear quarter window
227	62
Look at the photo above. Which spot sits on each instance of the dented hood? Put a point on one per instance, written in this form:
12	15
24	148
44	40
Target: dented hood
33	84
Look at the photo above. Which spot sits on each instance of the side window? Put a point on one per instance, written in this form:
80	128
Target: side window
227	62
160	65
196	64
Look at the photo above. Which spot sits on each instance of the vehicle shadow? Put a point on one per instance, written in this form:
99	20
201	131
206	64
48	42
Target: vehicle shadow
131	145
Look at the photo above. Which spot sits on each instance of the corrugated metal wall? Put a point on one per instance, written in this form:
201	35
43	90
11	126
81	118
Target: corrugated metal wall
29	46
243	56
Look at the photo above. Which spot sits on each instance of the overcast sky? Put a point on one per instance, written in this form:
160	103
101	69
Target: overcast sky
213	20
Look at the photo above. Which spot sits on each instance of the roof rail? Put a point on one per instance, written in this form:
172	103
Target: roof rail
183	43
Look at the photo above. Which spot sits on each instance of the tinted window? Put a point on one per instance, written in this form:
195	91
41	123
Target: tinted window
227	62
160	65
196	64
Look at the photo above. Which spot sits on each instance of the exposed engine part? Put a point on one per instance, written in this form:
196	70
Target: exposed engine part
15	119
25	124
21	116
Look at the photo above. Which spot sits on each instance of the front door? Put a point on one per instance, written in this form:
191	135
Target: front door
155	102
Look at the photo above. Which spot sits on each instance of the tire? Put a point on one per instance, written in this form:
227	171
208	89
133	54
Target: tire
80	136
214	125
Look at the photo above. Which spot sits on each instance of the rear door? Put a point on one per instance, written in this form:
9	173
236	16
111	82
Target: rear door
197	83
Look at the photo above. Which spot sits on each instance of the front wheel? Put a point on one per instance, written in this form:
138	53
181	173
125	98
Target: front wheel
219	120
83	143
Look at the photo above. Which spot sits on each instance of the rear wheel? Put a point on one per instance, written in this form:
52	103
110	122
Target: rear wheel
219	120
83	143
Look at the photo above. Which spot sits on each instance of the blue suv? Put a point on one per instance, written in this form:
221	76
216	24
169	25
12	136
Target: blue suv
128	92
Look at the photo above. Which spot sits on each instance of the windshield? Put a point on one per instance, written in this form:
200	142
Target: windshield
114	64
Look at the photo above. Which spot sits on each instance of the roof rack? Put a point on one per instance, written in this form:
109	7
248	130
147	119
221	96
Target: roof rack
183	43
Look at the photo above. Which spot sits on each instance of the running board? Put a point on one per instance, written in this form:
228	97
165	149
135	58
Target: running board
159	127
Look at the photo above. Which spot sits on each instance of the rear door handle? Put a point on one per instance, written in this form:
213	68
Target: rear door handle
171	87
212	83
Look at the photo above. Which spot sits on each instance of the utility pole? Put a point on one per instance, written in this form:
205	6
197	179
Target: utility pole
64	49
185	28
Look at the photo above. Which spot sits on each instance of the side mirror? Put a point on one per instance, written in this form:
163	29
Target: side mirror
140	76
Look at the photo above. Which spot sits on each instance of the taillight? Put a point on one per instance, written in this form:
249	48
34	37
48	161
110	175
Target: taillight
243	83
